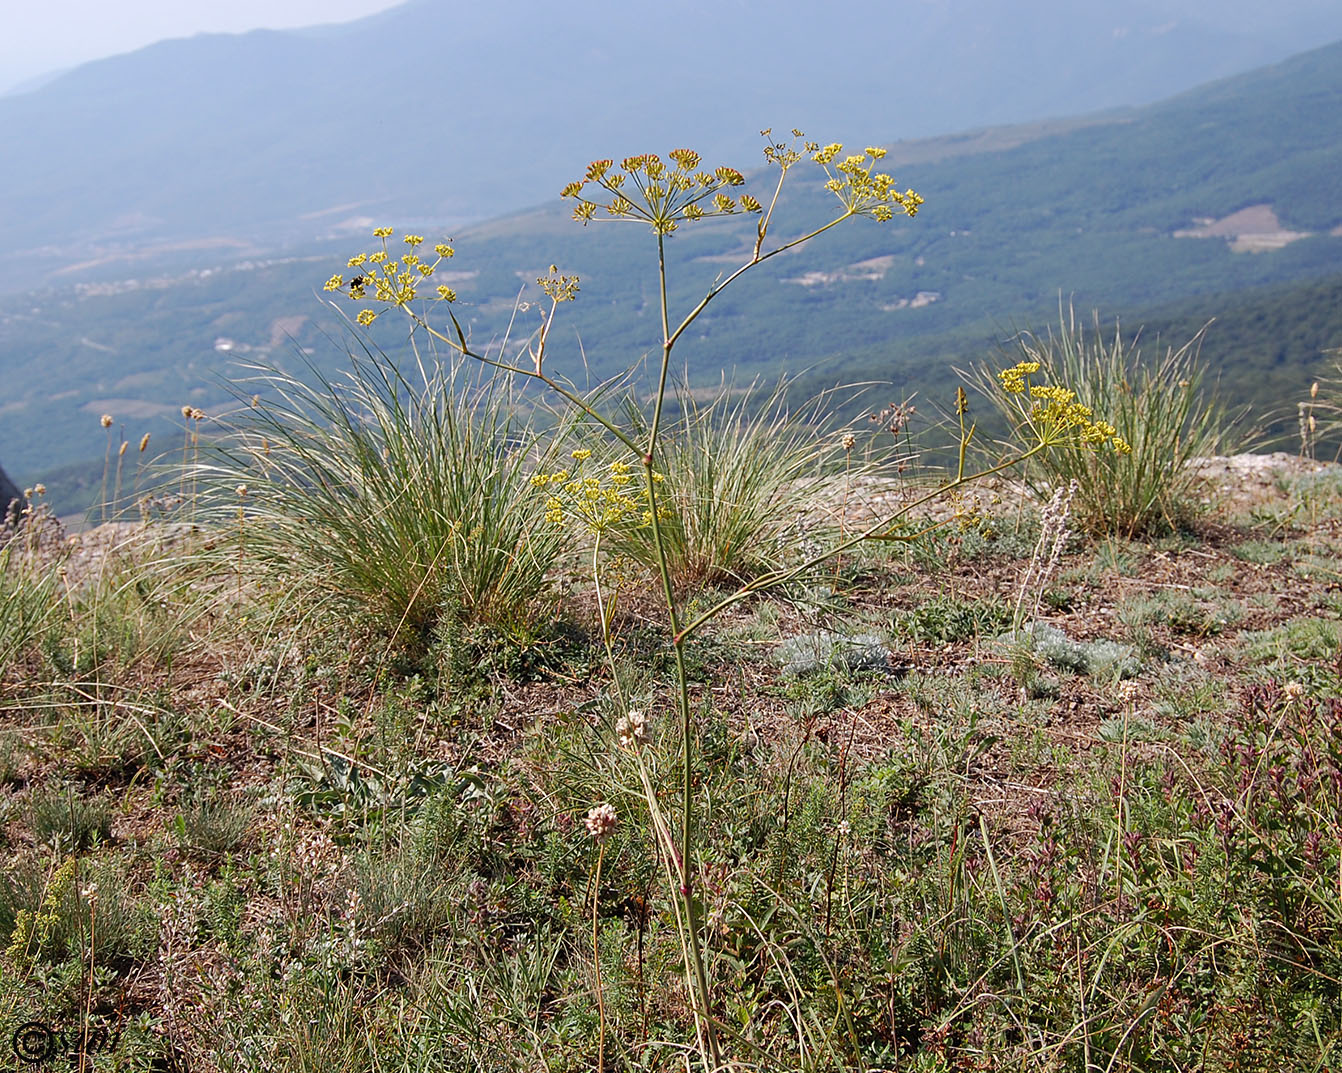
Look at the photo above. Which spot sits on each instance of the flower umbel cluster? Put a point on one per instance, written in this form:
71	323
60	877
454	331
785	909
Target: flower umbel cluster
647	189
853	180
600	503
389	279
863	190
1055	415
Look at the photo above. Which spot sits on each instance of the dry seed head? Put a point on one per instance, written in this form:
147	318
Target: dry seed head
144	442
106	420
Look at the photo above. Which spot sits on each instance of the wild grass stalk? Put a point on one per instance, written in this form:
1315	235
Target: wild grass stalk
116	484
1320	418
106	422
28	590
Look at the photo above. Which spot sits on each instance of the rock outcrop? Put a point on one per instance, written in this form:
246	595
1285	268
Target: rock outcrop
11	499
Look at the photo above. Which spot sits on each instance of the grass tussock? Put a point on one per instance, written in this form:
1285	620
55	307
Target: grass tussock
407	500
1164	409
746	479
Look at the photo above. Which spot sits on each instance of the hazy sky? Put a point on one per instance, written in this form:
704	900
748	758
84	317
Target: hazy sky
37	37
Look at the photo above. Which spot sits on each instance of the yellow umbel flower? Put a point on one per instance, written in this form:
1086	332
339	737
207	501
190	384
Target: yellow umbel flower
644	188
1013	379
598	503
1055	416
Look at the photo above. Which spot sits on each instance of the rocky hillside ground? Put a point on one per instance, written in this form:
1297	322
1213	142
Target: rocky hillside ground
929	843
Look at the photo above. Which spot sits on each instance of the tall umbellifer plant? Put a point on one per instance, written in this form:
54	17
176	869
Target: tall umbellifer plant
1163	408
664	196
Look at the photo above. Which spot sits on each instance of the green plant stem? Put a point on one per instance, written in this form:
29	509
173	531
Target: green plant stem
693	315
682	856
596	961
667	343
685	855
465	351
1006	909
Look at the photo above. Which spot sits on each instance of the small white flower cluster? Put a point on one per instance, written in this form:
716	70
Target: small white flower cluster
315	853
1054	533
632	729
1054	525
601	820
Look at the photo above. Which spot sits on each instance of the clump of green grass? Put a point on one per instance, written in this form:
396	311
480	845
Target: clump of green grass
27	602
743	477
405	499
1262	552
214	824
1299	639
1162	409
1195	614
68	820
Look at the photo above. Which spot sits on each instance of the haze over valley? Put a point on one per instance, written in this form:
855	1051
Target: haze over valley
177	208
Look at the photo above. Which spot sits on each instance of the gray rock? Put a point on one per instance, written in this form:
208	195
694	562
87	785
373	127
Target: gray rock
11	499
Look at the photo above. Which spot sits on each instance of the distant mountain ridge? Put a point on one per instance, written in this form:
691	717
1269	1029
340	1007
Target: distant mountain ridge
1231	188
453	112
